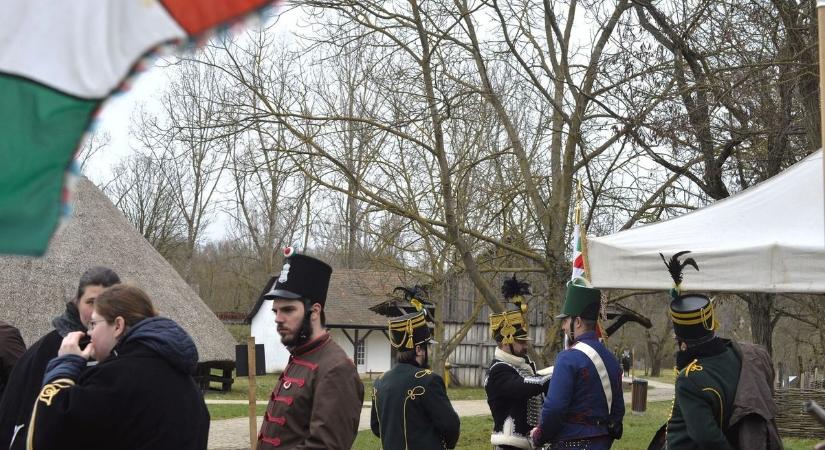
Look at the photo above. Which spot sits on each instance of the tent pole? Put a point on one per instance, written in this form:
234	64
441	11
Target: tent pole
820	15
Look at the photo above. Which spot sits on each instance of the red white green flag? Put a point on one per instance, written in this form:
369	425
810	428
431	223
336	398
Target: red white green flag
578	256
59	60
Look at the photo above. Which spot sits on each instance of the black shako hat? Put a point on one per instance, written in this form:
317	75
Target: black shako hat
302	277
694	320
411	329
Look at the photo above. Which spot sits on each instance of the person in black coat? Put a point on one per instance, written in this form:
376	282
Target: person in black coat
410	407
26	377
140	395
11	348
515	389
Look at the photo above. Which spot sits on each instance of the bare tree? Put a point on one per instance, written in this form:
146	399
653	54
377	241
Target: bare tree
93	143
193	140
142	193
743	103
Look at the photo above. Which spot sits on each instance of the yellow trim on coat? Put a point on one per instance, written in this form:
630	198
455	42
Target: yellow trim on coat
47	394
411	395
721	405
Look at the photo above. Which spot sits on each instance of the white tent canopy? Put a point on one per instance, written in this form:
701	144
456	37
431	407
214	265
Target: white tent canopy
767	238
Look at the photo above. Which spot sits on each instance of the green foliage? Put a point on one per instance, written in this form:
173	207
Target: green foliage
238	331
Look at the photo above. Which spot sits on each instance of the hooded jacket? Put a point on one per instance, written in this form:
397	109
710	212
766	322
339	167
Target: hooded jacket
141	397
25	379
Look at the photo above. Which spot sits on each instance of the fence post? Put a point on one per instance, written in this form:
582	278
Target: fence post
253	425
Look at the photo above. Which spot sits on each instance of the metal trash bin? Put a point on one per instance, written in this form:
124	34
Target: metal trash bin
638	400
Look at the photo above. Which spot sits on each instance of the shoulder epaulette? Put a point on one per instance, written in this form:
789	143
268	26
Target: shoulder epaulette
50	390
694	366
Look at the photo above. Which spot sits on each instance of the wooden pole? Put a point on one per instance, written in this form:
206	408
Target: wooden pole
253	424
582	229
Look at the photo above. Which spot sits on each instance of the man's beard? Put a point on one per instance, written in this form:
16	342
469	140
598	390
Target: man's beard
521	354
300	337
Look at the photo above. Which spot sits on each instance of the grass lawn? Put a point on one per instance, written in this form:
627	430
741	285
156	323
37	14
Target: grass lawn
218	412
668	376
240	388
475	432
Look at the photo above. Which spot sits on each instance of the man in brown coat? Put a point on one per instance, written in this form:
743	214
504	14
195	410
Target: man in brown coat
317	403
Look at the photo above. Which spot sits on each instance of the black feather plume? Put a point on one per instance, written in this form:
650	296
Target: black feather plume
417	292
512	287
675	267
420	292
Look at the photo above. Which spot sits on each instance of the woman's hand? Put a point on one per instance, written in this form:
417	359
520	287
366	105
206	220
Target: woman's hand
71	346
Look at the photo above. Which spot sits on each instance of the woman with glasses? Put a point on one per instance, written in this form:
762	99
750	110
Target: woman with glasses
24	381
140	395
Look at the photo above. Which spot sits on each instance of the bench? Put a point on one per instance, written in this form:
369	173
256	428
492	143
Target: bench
205	377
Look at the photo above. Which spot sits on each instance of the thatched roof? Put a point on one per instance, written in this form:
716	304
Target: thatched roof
353	291
35	289
351	294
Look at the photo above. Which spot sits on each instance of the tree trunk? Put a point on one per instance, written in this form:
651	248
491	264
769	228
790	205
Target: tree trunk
760	307
352	226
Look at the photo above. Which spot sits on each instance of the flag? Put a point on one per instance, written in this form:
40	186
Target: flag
59	60
578	256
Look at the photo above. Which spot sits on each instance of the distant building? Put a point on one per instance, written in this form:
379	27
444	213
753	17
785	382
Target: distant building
360	302
359	331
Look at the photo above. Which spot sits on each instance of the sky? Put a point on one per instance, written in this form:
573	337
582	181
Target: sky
115	119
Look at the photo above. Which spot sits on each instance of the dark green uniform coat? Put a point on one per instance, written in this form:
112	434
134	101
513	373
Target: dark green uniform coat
410	410
705	391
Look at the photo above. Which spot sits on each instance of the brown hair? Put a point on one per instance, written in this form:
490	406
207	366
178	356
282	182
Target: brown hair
125	301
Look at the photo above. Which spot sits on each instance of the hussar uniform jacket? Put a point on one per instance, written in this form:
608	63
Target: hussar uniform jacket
515	394
411	411
705	392
317	403
576	407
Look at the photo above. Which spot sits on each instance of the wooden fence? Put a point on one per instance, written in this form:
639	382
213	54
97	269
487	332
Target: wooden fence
469	361
793	421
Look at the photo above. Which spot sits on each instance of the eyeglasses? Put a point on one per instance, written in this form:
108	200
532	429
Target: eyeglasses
92	323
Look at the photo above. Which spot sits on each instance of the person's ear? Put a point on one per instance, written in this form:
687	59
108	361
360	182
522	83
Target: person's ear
316	311
120	326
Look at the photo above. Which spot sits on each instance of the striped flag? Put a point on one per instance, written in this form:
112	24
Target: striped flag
578	256
59	60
